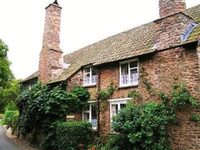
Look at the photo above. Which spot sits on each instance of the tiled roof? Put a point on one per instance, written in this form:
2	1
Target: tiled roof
195	35
34	75
132	43
194	12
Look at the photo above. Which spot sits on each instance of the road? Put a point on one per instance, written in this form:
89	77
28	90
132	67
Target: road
5	143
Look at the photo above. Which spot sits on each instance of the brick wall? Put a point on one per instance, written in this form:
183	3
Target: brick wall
51	55
162	69
77	80
168	30
198	54
169	7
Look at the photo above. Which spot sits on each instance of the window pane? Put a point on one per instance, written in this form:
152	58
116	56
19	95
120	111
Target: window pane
94	72
86	116
94	78
114	109
94	116
87	70
94	112
133	75
87	79
124	69
133	64
124	74
122	106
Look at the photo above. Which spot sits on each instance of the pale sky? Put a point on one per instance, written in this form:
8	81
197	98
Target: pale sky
83	22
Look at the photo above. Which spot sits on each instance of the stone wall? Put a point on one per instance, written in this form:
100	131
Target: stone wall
162	69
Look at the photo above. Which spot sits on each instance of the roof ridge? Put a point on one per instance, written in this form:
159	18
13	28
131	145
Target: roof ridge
136	27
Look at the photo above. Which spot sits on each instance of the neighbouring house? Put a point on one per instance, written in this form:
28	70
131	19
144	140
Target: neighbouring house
166	50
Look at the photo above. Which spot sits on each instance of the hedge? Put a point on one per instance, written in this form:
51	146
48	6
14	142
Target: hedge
68	135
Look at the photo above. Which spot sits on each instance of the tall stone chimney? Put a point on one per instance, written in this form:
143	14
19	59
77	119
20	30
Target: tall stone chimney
173	25
169	7
51	55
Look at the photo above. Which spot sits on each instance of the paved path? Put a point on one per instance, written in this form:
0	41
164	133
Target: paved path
5	143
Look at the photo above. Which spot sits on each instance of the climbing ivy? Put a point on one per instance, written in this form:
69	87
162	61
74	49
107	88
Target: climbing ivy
144	126
42	105
105	94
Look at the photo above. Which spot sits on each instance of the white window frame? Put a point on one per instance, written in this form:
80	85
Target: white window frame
91	83
129	70
90	103
116	102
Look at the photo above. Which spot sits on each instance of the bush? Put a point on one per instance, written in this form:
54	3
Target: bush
43	105
142	127
68	135
117	142
11	118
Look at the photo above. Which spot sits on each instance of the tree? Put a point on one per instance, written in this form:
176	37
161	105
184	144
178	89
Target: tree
6	76
5	72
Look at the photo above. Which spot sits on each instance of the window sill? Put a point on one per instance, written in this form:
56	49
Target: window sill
128	86
94	128
89	85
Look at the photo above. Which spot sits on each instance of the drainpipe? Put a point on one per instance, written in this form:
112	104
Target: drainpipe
98	103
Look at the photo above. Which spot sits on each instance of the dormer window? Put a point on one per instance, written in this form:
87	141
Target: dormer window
90	76
129	73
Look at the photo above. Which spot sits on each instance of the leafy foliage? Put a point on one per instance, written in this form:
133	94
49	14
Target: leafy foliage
43	105
11	116
68	135
6	76
181	96
105	94
5	72
9	94
195	118
145	126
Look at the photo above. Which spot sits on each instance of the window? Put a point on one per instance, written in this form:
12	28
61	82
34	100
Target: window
116	106
90	114
89	76
129	73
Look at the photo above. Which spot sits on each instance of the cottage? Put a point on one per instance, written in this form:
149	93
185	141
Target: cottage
165	51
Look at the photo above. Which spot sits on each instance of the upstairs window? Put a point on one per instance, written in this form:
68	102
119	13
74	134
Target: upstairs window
90	76
129	73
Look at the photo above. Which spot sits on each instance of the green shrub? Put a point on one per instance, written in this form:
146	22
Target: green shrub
43	105
11	106
142	127
68	135
117	142
11	119
1	116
